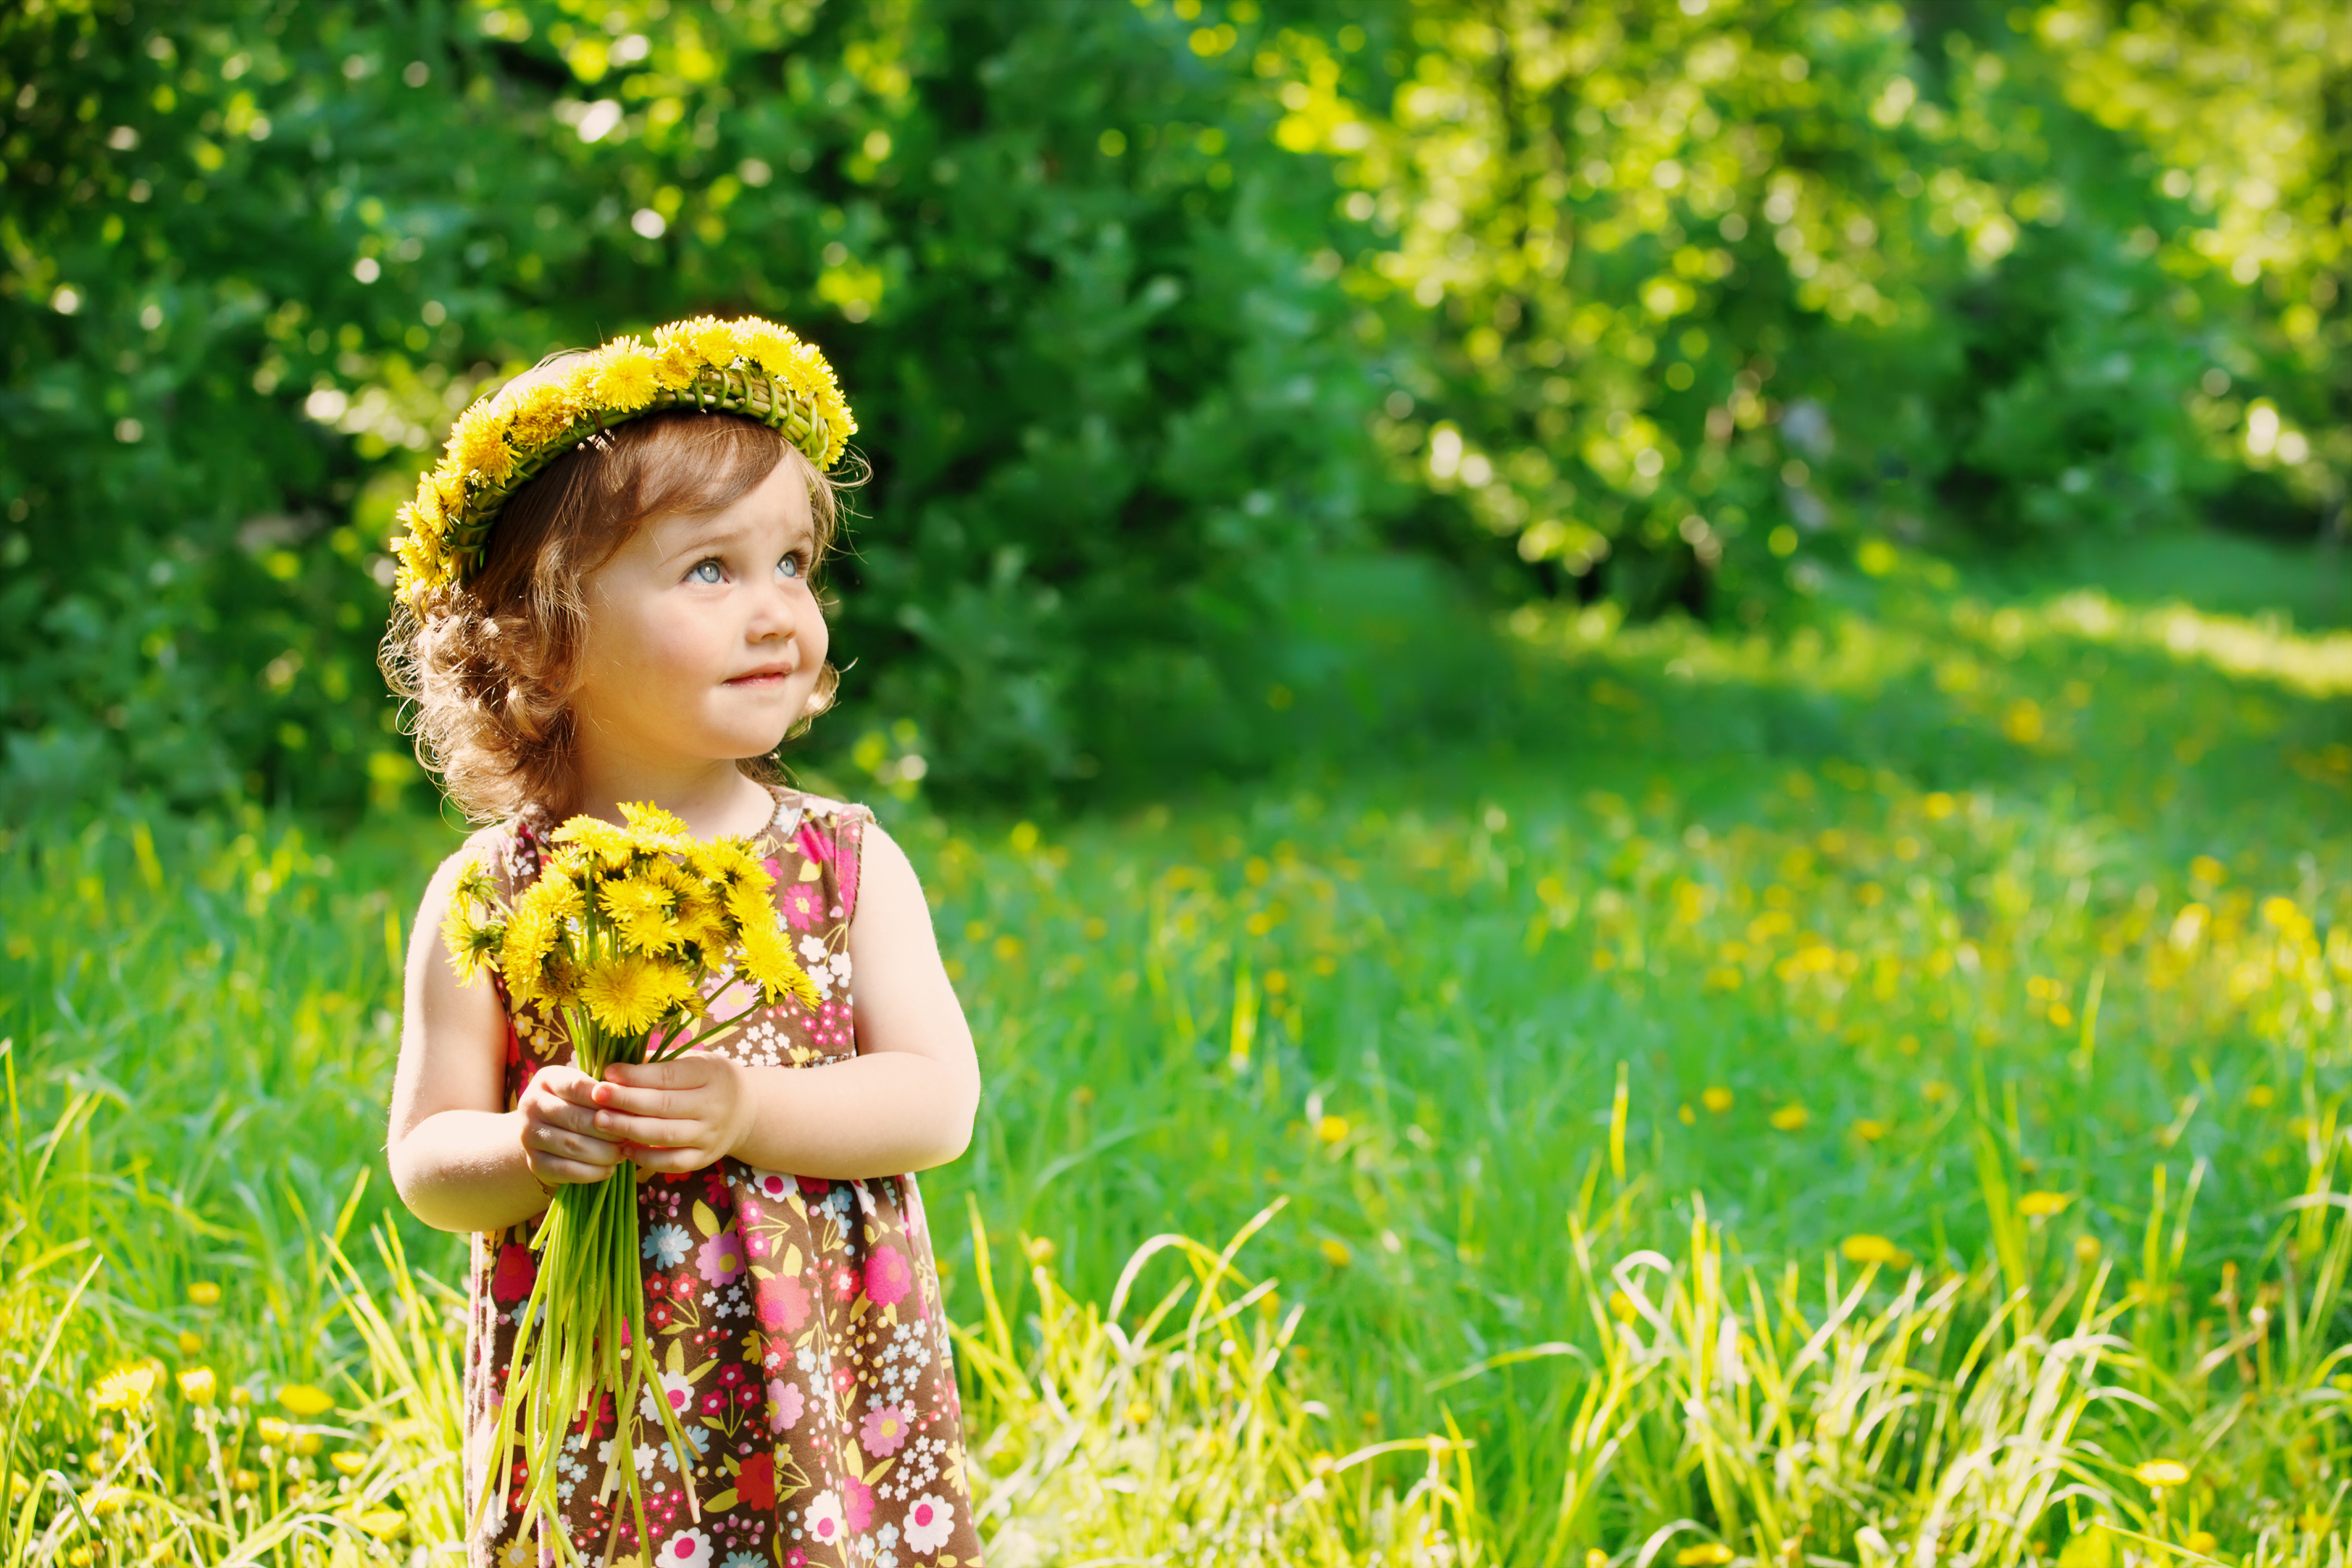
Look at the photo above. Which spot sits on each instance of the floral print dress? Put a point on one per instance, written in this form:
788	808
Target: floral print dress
797	1318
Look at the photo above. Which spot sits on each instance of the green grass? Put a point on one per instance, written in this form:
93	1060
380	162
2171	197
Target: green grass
1876	1084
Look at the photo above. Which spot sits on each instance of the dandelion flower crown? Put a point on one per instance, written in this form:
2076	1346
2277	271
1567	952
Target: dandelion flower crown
748	367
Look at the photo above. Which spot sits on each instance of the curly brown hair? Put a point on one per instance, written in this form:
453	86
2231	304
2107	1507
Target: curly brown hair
487	672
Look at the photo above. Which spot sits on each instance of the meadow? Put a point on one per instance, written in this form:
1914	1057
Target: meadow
1870	1092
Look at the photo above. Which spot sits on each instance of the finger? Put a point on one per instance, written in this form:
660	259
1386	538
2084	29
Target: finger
570	1171
579	1148
676	1074
562	1114
656	1131
674	1162
574	1088
612	1100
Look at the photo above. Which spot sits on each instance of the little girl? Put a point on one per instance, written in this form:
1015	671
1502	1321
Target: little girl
605	595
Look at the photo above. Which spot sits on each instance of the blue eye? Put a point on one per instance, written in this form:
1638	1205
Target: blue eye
716	572
789	566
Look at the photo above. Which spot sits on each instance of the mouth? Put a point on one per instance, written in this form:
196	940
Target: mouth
767	675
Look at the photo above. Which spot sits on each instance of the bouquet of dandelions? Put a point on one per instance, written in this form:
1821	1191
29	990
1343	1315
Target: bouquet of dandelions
619	942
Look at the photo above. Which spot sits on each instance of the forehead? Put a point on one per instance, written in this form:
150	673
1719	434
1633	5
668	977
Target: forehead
777	509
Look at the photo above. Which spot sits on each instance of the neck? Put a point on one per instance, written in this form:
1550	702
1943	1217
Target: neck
712	797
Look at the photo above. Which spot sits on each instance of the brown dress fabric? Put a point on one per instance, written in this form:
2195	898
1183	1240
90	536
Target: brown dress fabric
797	1318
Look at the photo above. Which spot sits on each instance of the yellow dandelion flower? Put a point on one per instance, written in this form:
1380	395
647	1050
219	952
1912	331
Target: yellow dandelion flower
2161	1473
1706	1555
126	1387
675	362
1622	1308
426	514
610	846
654	829
716	341
347	1462
1870	1131
473	942
1716	1098
384	1523
189	1342
541	412
205	1293
305	1444
1335	1252
624	380
306	1399
1331	1129
768	346
630	994
1790	1118
768	959
246	1481
641	908
478	444
2042	1206
1864	1247
274	1430
110	1499
199	1385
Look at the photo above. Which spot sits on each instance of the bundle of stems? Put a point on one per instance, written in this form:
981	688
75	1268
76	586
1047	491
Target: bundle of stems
621	943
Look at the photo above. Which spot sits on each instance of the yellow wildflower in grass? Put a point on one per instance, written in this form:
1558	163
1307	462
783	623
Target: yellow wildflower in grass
384	1523
303	1445
630	994
2202	1543
205	1293
109	1500
1790	1118
126	1387
1706	1555
2159	1474
1864	1248
189	1342
306	1399
2205	870
1716	1098
1595	1557
1335	1252
246	1481
1331	1129
1869	1131
199	1385
1622	1308
2086	1250
347	1462
273	1430
2042	1205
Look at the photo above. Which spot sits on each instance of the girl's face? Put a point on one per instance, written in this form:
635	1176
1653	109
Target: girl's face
704	640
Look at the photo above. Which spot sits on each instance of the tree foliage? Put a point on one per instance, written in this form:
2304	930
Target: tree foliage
1155	316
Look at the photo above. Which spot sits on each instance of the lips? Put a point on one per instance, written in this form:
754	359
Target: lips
766	675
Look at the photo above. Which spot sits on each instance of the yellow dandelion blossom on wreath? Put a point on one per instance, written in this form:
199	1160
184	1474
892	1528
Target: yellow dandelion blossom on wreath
630	994
478	444
624	379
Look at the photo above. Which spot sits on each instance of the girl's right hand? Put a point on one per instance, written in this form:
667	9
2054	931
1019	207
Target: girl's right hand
559	1118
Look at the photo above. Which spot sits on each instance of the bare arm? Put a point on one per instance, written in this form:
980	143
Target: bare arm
460	1160
905	1102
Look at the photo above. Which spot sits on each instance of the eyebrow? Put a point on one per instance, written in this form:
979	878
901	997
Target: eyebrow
707	538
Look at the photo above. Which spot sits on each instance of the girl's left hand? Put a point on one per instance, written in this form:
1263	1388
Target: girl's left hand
676	1115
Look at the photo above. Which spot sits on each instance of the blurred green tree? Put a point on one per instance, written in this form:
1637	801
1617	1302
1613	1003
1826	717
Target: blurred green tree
261	253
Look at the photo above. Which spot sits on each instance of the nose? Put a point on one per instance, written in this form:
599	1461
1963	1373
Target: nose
776	611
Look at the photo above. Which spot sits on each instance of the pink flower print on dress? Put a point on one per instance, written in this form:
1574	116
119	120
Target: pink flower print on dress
784	1304
856	1501
721	1258
822	1521
888	1277
885	1430
773	1187
928	1525
785	1402
687	1549
803	907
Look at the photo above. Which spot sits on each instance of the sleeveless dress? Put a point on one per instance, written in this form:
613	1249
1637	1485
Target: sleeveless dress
797	1318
